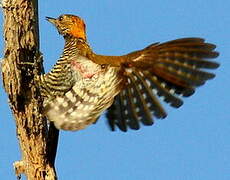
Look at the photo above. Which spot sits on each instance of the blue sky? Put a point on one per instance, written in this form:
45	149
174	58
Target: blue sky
192	143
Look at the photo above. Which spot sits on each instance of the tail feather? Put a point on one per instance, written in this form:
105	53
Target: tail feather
167	70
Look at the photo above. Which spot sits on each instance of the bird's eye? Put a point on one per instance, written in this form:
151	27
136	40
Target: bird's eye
60	18
103	66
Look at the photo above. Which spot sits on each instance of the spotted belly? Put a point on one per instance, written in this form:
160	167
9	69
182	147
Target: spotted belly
84	103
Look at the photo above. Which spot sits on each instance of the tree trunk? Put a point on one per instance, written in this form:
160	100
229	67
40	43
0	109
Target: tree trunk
22	60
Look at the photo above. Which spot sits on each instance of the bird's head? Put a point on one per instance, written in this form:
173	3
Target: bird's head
69	25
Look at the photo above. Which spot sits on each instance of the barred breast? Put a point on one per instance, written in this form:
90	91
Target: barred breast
93	91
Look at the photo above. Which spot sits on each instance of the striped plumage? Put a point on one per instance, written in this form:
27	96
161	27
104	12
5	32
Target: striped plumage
83	84
169	70
74	100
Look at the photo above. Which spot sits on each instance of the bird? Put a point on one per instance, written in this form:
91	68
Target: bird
130	88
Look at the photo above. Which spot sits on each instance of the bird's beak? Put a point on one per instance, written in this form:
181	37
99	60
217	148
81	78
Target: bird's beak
51	20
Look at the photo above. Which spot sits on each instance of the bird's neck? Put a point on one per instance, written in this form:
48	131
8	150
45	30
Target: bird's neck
76	45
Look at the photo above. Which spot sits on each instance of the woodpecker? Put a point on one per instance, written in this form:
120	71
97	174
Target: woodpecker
83	84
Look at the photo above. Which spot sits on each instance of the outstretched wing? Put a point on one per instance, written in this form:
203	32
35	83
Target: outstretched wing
166	70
